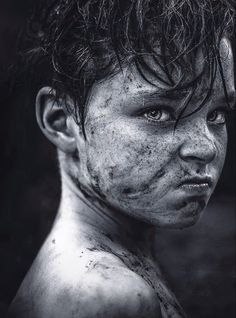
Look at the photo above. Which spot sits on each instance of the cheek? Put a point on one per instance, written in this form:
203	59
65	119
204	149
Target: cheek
122	158
221	146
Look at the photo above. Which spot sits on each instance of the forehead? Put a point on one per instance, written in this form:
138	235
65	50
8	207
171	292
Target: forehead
129	84
227	58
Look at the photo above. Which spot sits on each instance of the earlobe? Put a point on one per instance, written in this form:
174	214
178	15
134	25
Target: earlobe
54	120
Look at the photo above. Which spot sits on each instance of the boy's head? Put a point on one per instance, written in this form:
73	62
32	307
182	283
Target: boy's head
137	100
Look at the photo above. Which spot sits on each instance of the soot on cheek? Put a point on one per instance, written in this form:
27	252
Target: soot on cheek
124	165
138	173
127	190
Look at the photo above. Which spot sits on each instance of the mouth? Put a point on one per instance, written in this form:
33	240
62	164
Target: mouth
197	185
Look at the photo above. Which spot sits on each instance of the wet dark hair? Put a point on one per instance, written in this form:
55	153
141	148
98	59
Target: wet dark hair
80	42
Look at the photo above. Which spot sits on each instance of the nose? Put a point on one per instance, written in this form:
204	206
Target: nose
198	146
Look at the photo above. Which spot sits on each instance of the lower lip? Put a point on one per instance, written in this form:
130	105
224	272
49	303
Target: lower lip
195	187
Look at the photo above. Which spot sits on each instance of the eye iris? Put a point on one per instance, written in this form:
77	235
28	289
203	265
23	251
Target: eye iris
156	114
213	116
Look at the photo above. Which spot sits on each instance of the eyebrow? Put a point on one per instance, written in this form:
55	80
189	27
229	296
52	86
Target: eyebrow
180	94
164	93
150	96
231	99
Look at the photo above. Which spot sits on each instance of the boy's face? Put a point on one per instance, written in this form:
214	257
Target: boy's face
135	160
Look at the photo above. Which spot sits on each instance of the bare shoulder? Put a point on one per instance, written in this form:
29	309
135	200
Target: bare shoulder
92	284
116	291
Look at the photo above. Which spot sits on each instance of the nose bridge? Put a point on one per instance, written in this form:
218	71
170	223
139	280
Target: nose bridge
198	142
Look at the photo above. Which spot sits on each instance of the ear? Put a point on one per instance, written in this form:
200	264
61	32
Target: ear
54	120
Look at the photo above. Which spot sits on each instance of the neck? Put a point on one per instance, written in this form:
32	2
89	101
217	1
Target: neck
88	211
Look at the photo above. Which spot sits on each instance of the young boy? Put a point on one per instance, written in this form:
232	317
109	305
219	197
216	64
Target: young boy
136	108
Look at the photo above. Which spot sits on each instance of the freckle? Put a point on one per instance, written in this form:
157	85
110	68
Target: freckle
75	155
127	190
109	236
107	101
53	241
130	78
92	132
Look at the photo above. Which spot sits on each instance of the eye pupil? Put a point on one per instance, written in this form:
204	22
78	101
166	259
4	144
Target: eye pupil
155	113
213	116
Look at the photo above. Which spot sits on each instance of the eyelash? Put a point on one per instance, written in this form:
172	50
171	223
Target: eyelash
171	117
161	110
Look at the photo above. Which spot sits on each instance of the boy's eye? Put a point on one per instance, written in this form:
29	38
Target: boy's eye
158	115
217	117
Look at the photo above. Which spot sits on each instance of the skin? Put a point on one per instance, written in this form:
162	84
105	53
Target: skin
118	184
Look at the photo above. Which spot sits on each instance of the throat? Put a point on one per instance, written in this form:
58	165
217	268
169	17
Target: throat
104	223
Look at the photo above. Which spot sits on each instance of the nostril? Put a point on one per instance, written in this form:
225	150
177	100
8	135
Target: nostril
192	158
196	152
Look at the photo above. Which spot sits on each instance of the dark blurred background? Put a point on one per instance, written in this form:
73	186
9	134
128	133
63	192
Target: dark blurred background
199	261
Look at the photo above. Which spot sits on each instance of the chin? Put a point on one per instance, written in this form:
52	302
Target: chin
187	222
181	218
181	223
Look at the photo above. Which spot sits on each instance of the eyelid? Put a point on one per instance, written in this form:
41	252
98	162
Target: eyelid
224	109
157	107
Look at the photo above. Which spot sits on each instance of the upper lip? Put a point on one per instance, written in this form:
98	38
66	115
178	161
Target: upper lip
197	180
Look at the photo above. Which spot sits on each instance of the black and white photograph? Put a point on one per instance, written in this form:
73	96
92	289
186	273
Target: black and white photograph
117	171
